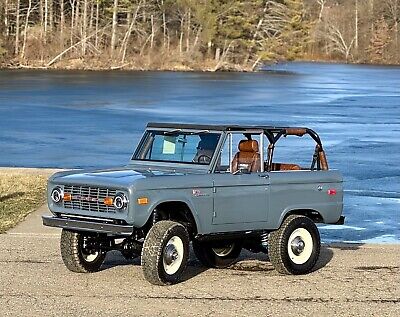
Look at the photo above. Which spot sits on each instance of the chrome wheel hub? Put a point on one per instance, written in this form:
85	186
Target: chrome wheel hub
170	254
224	251
297	245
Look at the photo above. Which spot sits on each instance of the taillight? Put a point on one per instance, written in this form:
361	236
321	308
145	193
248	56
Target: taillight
331	191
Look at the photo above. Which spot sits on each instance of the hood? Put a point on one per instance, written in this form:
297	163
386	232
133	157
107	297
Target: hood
117	177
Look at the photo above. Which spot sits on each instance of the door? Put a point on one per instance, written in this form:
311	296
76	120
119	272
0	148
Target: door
240	198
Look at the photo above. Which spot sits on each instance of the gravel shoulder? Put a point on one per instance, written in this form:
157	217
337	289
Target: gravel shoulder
351	280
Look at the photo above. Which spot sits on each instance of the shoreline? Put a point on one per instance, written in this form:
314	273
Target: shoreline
207	66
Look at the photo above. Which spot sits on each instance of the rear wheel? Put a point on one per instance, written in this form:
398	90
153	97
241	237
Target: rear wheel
81	252
219	254
165	253
294	248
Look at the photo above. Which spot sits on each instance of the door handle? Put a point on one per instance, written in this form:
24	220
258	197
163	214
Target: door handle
266	176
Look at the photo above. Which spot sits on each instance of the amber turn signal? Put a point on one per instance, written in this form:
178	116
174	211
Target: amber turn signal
108	201
67	197
143	201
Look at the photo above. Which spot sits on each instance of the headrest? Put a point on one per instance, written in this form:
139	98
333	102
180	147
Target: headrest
248	146
208	142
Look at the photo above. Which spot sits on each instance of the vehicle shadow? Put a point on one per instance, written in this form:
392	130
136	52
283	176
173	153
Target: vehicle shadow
193	269
247	261
327	252
115	258
325	256
345	246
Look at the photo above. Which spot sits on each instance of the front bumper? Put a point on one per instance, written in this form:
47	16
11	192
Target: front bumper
85	225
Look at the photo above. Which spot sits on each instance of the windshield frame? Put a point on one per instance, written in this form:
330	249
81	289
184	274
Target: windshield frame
145	139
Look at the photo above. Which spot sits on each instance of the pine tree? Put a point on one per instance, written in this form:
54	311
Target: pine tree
379	40
295	35
238	25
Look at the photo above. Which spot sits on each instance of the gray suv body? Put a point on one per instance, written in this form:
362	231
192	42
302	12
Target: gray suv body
219	187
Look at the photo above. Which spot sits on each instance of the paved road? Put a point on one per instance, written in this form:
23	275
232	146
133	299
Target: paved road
351	281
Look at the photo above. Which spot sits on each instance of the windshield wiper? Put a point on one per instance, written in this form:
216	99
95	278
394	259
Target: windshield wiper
199	132
174	131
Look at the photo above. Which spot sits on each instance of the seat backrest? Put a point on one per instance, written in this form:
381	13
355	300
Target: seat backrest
285	167
248	157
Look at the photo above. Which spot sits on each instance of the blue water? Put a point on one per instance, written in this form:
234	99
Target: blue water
94	119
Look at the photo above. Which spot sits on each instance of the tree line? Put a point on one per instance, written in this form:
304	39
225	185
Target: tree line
196	34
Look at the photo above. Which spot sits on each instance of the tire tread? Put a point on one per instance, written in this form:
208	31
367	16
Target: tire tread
277	247
69	247
153	250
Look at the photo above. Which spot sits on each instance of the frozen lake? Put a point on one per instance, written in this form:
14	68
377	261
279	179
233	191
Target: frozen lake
94	119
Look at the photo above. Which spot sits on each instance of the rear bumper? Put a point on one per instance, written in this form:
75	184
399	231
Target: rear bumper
84	225
340	221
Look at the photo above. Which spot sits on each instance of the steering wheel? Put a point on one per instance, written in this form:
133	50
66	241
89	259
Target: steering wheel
204	159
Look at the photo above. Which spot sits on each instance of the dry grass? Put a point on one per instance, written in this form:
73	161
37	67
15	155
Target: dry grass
21	192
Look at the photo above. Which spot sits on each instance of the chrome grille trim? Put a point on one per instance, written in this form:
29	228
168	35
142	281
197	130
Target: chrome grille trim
89	198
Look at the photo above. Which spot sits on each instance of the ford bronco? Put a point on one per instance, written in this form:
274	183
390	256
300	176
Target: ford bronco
219	187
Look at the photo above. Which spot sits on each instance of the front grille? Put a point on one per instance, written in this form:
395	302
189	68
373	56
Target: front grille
88	198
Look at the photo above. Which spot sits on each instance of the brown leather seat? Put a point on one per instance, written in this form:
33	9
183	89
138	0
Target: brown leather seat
248	157
285	167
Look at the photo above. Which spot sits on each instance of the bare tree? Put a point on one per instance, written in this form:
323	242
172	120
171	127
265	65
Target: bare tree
51	15
321	4
73	5
77	13
62	22
17	28
128	33
114	26
6	22
153	31
96	40
164	23
356	26
188	28
392	9
84	26
338	42
46	17
26	27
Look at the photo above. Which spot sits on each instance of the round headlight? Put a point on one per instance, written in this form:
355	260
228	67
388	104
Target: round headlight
57	195
120	201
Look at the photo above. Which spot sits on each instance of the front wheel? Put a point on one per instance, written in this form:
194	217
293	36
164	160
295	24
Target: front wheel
81	252
165	253
217	254
294	248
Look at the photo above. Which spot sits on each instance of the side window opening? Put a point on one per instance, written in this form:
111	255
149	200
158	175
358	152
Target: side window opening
293	153
240	153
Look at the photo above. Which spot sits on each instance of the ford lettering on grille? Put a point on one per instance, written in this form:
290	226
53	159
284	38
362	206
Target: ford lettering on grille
89	198
92	199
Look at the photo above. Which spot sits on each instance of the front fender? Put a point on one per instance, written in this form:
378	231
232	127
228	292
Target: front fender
143	213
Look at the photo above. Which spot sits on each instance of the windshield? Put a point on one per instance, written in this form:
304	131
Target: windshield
178	146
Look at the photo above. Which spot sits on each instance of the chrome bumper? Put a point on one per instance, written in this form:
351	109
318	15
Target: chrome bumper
84	225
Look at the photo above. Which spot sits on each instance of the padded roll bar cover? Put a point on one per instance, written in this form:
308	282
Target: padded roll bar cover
296	131
322	160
